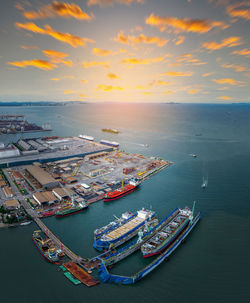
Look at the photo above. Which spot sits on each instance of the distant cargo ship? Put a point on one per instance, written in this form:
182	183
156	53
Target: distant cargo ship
168	234
89	138
67	211
110	130
45	247
110	143
123	191
126	230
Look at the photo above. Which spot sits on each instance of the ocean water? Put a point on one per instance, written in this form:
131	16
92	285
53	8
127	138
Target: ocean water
212	266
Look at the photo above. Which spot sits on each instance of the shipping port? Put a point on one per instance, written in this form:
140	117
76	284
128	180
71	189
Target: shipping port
13	124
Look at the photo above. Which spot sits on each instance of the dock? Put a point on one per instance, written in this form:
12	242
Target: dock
81	274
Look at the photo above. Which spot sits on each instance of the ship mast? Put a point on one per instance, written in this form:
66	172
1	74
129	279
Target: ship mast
192	213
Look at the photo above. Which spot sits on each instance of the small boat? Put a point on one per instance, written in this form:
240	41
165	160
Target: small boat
26	223
193	155
204	183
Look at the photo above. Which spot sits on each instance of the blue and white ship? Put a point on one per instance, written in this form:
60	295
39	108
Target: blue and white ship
125	230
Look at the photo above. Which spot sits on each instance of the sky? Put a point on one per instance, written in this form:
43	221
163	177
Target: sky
190	51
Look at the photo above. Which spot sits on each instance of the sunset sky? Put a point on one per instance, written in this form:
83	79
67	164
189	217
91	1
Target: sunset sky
125	51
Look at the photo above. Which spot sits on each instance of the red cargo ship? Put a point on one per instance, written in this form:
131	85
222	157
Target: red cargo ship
123	191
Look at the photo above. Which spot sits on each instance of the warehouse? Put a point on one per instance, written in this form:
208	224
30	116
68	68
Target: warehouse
11	204
62	193
45	197
41	176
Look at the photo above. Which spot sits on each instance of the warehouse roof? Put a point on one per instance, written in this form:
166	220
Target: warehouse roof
44	197
40	175
11	204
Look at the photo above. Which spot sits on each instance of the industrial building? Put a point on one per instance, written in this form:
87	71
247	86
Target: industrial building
62	193
11	204
95	155
45	197
42	177
10	151
8	192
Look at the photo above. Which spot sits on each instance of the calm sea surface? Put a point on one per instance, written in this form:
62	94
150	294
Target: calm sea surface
212	266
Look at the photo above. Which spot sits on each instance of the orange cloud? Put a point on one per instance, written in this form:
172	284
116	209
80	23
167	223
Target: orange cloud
101	52
225	81
61	9
147	93
67	92
206	74
112	76
55	79
57	57
168	92
64	77
110	2
84	81
243	52
180	40
140	87
178	74
108	88
184	25
74	41
88	64
236	10
193	91
132	40
29	47
224	98
41	64
160	82
237	68
142	61
228	42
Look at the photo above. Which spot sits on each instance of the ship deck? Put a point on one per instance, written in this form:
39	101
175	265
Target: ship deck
122	230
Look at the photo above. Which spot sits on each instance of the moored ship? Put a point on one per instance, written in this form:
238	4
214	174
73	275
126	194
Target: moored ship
70	210
122	191
85	137
126	230
168	234
46	247
110	130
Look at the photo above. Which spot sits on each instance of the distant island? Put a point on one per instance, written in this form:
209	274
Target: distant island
40	103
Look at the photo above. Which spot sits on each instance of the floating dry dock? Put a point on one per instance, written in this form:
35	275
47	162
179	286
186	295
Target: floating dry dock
80	274
105	276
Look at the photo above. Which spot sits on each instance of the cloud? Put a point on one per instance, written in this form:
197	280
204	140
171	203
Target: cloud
140	87
206	74
29	47
226	81
84	81
184	24
110	2
112	76
67	92
62	78
132	40
57	57
168	92
180	40
193	91
87	64
224	98
147	93
178	74
41	64
142	61
74	41
108	88
61	9
243	52
160	82
228	42
101	52
236	11
237	68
